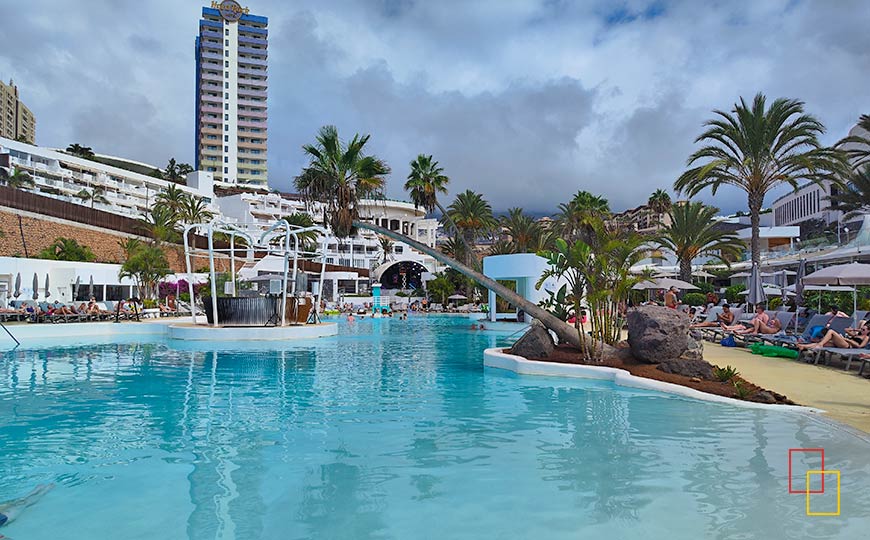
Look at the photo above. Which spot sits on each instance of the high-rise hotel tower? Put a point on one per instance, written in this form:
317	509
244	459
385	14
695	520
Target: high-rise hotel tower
231	84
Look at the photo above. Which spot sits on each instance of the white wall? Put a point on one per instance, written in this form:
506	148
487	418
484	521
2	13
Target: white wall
62	276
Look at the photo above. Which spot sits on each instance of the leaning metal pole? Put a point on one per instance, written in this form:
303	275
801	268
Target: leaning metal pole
189	272
214	310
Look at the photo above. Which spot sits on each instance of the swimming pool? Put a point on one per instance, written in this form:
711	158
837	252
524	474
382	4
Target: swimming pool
393	429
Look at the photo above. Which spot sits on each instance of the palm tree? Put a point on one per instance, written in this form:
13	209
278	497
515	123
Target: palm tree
526	234
757	149
576	217
386	245
67	249
425	181
299	220
339	175
175	172
693	232
95	195
173	197
81	151
18	179
160	223
659	203
472	216
854	198
859	153
192	210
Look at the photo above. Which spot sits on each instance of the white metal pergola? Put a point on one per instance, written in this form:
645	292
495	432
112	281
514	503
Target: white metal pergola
275	240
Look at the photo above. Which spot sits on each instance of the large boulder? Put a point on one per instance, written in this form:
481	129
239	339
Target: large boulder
535	343
656	333
689	368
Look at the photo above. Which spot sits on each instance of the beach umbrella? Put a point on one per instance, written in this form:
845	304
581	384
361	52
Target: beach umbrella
842	274
47	292
663	283
770	290
76	287
457	297
91	287
756	289
17	285
35	286
799	289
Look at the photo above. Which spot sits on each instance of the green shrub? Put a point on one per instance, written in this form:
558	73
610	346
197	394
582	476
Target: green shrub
775	302
732	293
725	374
695	299
402	294
705	287
741	390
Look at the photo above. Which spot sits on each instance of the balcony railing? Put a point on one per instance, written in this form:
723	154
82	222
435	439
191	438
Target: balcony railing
251	50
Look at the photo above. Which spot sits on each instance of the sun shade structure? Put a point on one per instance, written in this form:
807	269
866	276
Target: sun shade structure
457	297
756	294
281	239
842	274
664	283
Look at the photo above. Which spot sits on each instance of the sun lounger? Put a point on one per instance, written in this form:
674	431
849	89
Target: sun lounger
784	317
825	353
787	340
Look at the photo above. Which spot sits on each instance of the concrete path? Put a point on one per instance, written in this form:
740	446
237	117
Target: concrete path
844	396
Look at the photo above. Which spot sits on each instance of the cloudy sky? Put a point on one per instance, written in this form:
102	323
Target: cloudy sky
526	101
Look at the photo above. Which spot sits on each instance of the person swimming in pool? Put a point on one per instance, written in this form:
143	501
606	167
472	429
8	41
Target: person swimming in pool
10	510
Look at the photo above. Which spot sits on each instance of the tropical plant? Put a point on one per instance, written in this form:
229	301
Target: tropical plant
175	172
147	265
725	374
659	203
854	197
95	195
598	271
67	249
742	390
338	175
859	151
694	299
173	197
299	220
501	246
440	287
577	217
386	245
17	179
76	149
129	246
692	232
160	223
526	234
472	216
732	293
757	149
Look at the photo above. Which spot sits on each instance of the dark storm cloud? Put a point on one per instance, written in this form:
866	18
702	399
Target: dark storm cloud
523	100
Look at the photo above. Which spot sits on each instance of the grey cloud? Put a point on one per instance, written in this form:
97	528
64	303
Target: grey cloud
525	101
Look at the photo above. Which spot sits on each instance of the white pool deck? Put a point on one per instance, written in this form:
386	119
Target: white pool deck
181	329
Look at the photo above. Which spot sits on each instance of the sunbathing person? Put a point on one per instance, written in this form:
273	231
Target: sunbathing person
835	339
726	318
771	327
760	315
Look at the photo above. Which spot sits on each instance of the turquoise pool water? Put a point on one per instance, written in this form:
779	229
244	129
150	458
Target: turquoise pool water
392	430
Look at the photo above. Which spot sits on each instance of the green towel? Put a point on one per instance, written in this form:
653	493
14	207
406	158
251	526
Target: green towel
773	351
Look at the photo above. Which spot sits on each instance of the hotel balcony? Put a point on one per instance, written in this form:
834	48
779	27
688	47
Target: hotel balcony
209	24
252	41
213	56
253	114
211	109
254	167
252	103
211	34
251	124
211	46
251	50
254	83
210	131
253	62
249	71
244	92
253	146
206	76
210	99
253	30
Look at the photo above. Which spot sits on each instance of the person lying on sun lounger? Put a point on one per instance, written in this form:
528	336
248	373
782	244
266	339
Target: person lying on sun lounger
835	339
771	327
760	317
726	318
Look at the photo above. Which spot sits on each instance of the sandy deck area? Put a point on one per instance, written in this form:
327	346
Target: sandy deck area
843	396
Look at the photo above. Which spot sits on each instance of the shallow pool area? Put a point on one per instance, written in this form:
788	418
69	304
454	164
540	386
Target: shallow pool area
392	429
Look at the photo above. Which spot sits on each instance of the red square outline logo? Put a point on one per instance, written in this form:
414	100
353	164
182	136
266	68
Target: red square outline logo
822	468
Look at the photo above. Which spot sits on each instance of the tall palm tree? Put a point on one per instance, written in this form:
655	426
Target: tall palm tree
81	151
854	198
757	149
859	152
472	215
425	181
173	198
192	210
95	195
693	232
161	223
17	179
386	244
659	203
575	218
339	175
526	234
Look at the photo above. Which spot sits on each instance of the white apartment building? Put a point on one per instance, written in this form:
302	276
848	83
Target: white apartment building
62	176
811	201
